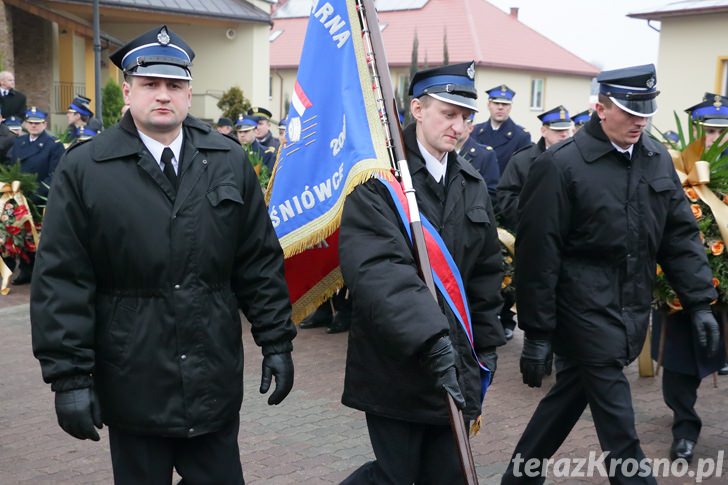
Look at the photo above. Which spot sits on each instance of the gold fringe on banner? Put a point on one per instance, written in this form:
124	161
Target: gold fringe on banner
11	191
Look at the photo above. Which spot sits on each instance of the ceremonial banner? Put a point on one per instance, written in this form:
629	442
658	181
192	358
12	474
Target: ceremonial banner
335	141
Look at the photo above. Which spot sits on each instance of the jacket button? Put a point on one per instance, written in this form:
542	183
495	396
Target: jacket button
204	162
183	356
192	430
176	287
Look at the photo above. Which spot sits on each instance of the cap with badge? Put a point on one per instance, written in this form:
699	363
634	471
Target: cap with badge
556	118
632	89
157	53
671	136
246	123
80	105
453	84
34	115
581	118
84	133
713	111
14	124
501	94
282	125
258	113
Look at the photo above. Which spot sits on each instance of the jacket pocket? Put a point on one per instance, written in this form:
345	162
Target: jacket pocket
662	184
116	331
224	194
478	215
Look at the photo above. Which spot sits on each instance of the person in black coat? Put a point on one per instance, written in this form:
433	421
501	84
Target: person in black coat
38	153
405	349
556	126
481	157
500	131
156	236
597	213
12	101
684	362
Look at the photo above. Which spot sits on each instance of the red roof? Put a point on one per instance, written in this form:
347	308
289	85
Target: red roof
476	30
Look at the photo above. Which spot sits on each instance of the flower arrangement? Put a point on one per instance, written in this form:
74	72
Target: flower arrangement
19	218
261	170
688	149
507	245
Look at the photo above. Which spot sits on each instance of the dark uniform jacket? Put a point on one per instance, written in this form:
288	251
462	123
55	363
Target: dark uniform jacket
40	157
592	225
682	352
138	288
13	104
394	315
484	160
269	141
267	154
512	182
506	140
7	139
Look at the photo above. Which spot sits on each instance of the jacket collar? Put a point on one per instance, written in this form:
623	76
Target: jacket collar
594	143
123	140
417	163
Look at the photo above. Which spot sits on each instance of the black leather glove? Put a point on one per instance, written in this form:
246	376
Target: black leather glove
281	366
536	360
707	331
78	412
439	359
489	358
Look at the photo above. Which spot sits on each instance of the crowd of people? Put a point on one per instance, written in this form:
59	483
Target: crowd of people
147	339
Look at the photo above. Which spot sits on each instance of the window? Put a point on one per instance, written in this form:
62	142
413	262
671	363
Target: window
537	94
723	77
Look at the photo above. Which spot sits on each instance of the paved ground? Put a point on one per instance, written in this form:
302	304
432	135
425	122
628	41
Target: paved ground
310	438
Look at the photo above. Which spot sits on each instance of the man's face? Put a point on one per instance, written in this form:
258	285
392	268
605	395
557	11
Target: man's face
712	133
7	81
467	131
263	128
439	124
552	137
246	137
282	136
158	105
499	111
622	128
35	128
72	117
224	129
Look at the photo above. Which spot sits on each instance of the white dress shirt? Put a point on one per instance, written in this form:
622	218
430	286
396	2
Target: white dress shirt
156	149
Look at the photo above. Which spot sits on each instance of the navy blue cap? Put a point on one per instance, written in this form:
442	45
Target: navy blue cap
246	123
671	136
80	105
581	118
84	133
35	115
712	112
501	94
13	122
632	89
258	113
556	118
452	84
283	124
157	53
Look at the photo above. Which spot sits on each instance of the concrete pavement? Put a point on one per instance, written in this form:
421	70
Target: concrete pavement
311	438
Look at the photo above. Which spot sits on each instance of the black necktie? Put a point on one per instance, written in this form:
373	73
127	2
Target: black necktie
168	169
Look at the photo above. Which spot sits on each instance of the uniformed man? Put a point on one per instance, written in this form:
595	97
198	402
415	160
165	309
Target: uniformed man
12	101
685	364
245	130
224	125
156	235
596	214
580	119
482	157
556	125
282	131
262	131
500	131
399	333
78	115
38	153
14	124
7	138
